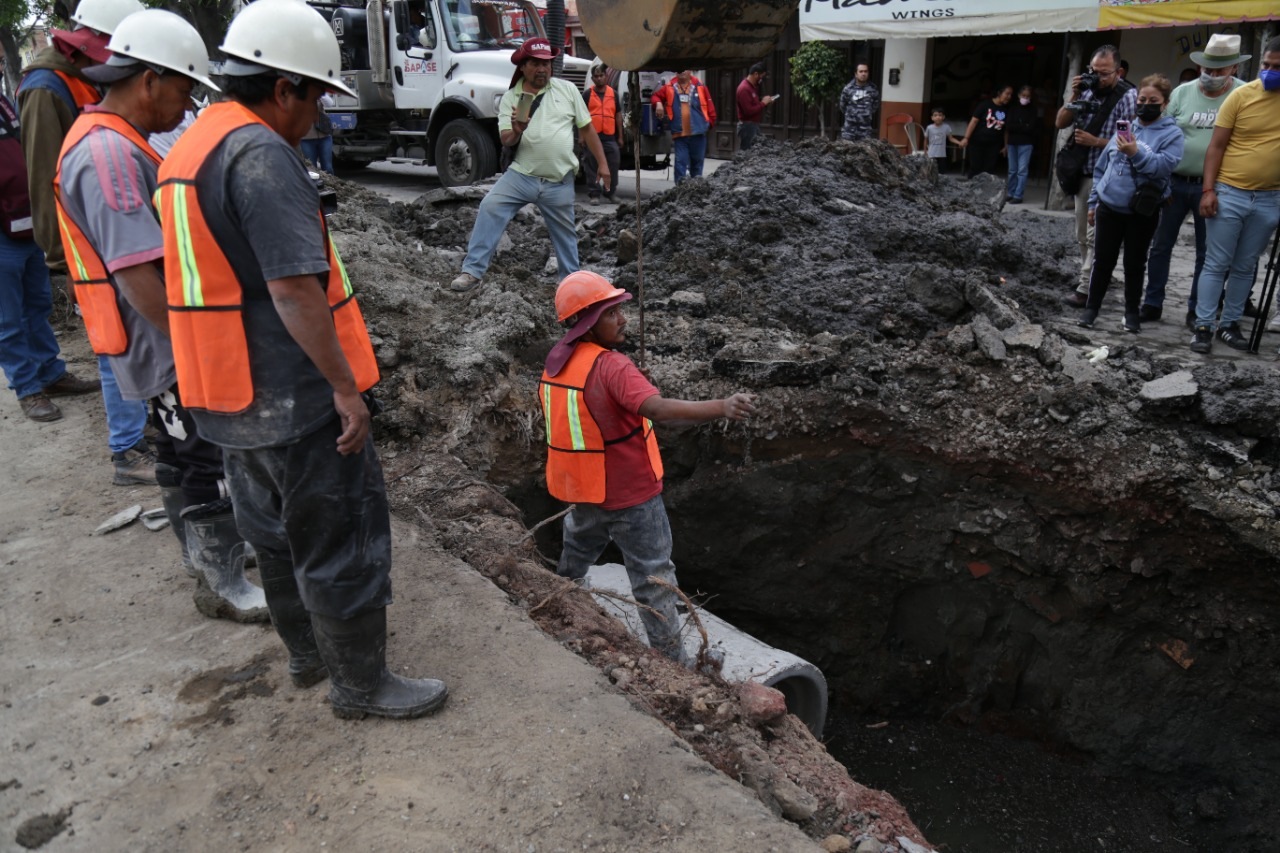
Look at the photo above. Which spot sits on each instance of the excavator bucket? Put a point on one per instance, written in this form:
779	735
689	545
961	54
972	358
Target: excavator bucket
665	35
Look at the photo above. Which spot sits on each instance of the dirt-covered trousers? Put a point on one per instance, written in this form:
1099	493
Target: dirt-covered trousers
643	535
195	464
327	511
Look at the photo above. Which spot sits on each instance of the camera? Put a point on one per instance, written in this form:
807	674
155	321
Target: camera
1083	109
1089	80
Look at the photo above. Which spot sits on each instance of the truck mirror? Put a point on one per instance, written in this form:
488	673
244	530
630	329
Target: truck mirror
401	12
402	42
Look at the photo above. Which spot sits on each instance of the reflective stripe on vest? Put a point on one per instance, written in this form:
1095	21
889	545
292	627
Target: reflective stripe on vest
575	445
82	92
95	293
604	111
205	295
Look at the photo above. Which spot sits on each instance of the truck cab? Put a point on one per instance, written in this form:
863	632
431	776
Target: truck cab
428	75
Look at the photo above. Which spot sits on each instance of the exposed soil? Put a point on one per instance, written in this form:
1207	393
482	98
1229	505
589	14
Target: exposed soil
943	502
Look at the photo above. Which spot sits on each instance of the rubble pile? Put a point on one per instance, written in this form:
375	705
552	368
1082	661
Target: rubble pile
949	501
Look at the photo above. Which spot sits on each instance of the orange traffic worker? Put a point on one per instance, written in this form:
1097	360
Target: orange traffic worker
602	454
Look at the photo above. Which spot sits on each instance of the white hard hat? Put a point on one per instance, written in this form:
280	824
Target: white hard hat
104	15
288	36
156	37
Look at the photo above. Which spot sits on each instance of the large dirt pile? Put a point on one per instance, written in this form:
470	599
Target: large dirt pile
944	503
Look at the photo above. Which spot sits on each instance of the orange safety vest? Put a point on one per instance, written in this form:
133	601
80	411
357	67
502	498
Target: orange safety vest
604	111
95	292
82	92
575	446
205	296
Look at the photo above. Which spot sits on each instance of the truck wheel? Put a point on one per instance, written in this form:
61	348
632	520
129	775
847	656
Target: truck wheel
464	154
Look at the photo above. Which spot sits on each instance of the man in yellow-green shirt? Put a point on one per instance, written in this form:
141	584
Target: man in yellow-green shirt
1240	201
544	166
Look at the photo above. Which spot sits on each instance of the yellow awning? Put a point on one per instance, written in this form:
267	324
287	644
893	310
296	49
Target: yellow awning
1118	14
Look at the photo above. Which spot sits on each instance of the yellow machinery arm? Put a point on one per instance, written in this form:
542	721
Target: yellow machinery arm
666	35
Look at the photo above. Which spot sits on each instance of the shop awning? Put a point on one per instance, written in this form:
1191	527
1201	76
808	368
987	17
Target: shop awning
849	20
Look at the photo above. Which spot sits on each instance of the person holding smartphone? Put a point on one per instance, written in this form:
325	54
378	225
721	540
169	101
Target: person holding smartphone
1141	156
751	105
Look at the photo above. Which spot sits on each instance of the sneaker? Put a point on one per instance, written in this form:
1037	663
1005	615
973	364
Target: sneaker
1231	335
1087	318
464	283
593	200
1250	308
39	407
135	466
1202	340
1132	324
1014	201
69	383
1150	313
1076	299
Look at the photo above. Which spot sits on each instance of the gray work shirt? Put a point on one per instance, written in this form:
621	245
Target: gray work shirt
264	211
107	185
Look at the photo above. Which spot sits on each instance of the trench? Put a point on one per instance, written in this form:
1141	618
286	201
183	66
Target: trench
1024	669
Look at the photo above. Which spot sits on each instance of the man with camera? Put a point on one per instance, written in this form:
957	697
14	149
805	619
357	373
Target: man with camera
1099	98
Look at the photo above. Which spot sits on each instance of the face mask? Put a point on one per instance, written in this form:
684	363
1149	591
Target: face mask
1213	84
1270	79
1026	102
1149	112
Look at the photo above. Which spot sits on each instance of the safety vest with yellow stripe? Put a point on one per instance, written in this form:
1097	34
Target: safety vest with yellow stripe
95	292
205	295
575	445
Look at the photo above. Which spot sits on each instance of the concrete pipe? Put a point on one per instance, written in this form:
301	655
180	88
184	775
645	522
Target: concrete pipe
745	657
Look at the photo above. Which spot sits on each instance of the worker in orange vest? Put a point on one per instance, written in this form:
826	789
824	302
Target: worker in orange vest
275	362
686	105
602	454
606	117
107	173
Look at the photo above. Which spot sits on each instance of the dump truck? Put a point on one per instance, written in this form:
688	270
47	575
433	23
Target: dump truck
428	76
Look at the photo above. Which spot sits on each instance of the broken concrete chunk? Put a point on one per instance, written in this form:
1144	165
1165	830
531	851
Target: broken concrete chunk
838	206
988	339
689	302
628	246
155	519
1179	386
931	287
985	301
1024	336
773	363
960	339
909	846
551	267
1077	368
454	195
120	519
796	803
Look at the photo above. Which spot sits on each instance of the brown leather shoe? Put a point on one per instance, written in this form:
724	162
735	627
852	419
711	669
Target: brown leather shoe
39	407
69	383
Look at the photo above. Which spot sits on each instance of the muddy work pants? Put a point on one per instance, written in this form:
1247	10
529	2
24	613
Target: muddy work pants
643	535
195	465
325	511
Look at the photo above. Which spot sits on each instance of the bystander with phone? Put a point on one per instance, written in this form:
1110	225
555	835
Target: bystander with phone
751	105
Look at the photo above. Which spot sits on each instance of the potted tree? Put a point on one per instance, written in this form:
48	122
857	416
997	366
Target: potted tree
818	73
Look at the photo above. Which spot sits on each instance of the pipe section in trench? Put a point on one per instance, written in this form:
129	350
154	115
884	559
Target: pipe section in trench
745	657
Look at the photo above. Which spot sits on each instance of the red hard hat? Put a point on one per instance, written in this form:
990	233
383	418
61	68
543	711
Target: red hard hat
581	290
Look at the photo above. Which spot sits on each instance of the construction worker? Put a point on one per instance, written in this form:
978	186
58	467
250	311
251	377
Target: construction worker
603	456
691	114
103	185
606	112
274	359
53	92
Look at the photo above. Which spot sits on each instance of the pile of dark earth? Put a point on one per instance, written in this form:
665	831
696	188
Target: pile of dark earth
946	502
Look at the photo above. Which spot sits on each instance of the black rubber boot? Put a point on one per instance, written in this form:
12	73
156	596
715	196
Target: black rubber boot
218	553
170	479
359	683
290	618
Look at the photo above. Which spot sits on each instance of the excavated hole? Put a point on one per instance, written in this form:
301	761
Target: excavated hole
1023	671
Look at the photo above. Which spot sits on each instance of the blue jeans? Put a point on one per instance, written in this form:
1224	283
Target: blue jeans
28	349
1186	197
125	418
513	191
690	153
319	152
1019	165
643	535
1234	239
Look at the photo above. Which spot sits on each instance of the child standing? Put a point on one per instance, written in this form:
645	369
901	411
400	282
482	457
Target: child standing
937	135
602	455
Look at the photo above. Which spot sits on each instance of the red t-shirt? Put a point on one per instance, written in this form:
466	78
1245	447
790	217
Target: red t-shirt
614	391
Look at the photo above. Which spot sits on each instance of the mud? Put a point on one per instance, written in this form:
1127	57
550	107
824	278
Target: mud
942	503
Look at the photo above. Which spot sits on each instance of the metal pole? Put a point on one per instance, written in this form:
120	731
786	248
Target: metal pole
1269	282
636	112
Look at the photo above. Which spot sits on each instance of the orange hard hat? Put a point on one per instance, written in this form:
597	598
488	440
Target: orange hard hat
581	290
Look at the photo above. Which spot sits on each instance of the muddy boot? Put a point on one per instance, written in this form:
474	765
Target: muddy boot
170	480
359	683
218	554
291	619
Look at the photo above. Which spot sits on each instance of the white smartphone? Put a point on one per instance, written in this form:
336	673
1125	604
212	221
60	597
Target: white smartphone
522	108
